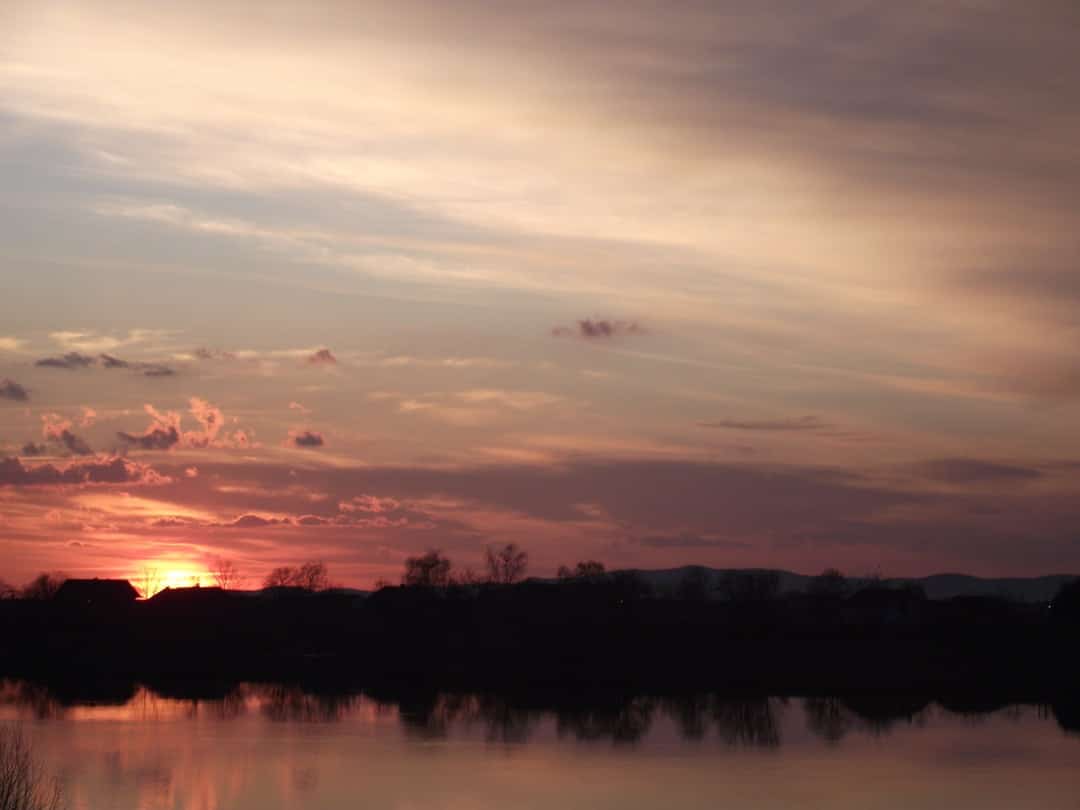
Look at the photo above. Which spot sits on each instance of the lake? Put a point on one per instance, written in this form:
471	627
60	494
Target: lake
262	747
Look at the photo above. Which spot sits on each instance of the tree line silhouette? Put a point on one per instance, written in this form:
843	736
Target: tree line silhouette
586	626
744	720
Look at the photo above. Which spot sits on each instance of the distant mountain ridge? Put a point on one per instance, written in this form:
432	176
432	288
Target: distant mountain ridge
937	586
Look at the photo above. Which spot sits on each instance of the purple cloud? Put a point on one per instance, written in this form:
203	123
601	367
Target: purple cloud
589	329
305	438
9	389
115	470
974	471
323	357
69	361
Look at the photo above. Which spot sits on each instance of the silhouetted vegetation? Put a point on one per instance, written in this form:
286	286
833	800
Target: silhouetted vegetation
1065	608
830	584
588	628
695	584
506	565
430	570
24	784
584	570
311	576
43	586
749	587
226	574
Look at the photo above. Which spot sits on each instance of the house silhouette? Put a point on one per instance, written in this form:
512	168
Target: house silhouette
96	593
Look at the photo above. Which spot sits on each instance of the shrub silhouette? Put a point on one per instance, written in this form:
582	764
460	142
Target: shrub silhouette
23	782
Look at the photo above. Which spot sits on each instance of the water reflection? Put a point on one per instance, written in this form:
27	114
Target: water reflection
742	721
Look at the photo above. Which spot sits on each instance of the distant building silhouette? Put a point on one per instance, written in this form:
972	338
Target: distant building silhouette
196	594
96	593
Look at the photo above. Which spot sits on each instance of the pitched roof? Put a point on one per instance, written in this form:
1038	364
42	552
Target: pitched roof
94	590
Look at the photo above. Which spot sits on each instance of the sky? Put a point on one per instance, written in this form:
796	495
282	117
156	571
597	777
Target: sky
740	284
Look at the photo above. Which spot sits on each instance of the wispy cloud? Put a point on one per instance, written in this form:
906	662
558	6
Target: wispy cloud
767	425
97	343
322	357
599	329
974	471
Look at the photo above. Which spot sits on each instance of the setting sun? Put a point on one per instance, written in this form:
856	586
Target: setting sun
152	578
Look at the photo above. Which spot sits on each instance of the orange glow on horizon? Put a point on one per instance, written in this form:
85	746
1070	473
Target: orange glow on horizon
155	576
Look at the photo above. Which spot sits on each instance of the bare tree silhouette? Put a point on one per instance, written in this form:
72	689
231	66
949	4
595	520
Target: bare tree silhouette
149	581
586	569
431	570
311	576
43	586
279	577
506	565
23	782
225	573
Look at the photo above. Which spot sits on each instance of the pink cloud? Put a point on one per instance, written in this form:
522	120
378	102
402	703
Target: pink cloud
369	503
166	431
56	428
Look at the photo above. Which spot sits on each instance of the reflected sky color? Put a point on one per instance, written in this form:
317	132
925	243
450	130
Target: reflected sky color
744	284
271	747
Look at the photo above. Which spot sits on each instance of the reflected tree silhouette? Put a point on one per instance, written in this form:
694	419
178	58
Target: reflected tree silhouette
510	719
827	718
878	714
505	722
750	722
292	704
24	784
690	713
625	723
40	700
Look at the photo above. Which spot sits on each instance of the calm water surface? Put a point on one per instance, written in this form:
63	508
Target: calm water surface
262	747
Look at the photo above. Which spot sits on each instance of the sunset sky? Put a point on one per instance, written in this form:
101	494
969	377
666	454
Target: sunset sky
778	284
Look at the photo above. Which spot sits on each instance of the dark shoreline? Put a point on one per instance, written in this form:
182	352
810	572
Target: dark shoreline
538	636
